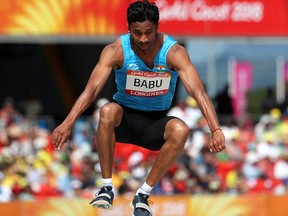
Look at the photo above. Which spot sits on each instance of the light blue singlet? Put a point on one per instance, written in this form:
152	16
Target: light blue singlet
141	88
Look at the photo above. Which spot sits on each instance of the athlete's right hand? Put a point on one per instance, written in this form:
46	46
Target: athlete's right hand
60	136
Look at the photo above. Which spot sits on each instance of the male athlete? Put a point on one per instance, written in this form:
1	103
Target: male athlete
147	64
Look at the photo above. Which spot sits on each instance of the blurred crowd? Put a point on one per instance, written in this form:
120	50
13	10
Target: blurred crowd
255	159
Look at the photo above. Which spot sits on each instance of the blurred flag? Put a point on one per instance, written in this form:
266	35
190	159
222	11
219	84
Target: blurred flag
241	83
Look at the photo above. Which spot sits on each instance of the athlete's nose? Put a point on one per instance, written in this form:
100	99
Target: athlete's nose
143	38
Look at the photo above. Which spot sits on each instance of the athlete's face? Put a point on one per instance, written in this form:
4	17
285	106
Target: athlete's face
143	34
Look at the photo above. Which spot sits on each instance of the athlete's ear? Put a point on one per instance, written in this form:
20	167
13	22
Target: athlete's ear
128	26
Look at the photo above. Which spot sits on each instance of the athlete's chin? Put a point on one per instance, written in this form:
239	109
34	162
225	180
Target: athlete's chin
144	46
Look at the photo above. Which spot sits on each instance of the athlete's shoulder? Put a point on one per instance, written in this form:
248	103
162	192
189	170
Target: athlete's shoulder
177	56
113	53
114	46
114	49
177	49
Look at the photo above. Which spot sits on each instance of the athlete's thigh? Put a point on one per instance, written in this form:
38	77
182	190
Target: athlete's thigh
124	132
153	137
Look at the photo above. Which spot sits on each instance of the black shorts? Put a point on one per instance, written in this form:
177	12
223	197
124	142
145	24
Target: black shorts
145	129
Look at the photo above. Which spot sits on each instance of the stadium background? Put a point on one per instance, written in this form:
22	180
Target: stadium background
50	47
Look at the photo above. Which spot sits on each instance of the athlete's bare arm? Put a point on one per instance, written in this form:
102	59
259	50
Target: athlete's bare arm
178	59
111	57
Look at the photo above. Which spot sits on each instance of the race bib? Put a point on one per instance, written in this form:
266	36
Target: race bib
147	84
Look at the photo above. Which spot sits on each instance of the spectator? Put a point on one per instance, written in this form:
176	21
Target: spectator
188	111
250	168
224	103
281	168
8	113
269	102
269	147
31	105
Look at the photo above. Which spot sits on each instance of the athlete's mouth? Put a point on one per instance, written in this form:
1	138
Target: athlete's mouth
144	46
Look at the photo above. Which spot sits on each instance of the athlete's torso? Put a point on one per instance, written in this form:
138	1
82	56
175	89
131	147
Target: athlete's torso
143	88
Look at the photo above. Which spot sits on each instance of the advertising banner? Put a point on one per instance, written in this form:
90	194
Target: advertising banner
177	17
224	17
172	205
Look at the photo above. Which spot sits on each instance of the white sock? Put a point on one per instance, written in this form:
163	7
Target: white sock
106	182
145	189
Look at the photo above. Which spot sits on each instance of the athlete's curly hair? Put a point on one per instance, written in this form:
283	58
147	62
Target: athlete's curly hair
141	11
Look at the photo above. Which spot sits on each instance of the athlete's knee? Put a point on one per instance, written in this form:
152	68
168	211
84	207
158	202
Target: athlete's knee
178	130
110	112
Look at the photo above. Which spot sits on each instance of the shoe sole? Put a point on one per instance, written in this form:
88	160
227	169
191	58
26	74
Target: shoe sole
102	204
132	207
